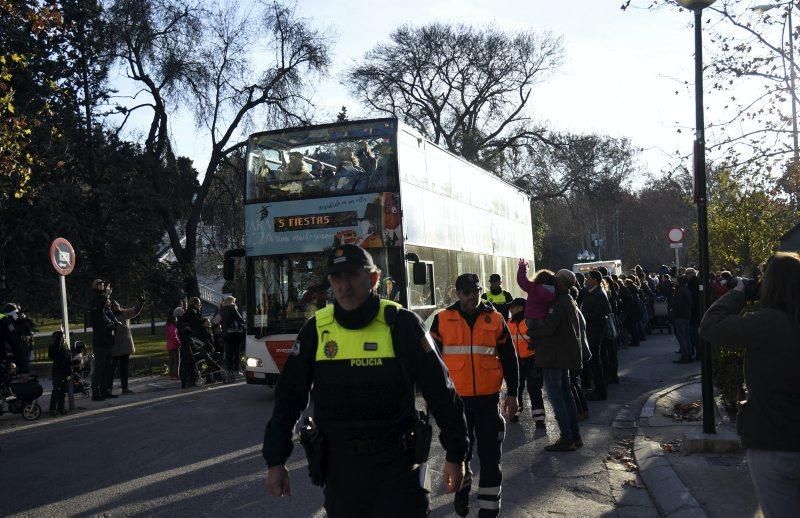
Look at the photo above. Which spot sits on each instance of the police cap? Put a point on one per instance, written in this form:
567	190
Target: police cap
349	258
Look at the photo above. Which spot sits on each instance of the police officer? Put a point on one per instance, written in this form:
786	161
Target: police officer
528	373
499	297
478	351
362	355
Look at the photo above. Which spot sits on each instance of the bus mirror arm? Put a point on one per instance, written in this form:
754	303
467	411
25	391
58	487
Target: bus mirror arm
227	263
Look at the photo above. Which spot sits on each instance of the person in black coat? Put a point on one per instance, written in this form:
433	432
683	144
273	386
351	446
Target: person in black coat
232	332
595	309
61	371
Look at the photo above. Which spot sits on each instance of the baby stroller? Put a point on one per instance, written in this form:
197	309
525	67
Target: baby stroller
660	318
82	364
210	364
19	397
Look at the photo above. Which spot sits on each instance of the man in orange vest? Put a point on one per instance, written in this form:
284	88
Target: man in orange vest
477	349
528	373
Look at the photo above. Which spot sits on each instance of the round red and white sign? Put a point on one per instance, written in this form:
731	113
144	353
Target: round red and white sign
62	256
675	235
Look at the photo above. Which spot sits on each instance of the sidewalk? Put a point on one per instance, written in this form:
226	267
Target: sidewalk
689	473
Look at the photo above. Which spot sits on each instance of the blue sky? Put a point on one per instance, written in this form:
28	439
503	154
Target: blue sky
620	75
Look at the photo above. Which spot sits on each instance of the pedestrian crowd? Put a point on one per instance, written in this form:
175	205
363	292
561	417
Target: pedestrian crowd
561	340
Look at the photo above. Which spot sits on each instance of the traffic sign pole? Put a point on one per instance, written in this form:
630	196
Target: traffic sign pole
62	257
65	324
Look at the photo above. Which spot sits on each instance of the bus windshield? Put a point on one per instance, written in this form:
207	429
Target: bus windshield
320	162
289	289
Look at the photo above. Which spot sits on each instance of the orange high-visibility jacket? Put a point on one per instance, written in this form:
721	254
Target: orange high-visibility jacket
471	354
519	334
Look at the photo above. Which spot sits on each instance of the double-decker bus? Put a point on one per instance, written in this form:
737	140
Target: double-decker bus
424	214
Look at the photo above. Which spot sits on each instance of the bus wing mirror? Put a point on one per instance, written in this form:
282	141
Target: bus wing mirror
227	263
420	273
227	269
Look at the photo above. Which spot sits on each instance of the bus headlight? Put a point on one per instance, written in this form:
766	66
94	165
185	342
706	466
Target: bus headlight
254	362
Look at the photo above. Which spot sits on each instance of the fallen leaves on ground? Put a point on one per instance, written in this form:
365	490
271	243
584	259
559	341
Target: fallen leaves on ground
631	482
671	446
622	453
687	412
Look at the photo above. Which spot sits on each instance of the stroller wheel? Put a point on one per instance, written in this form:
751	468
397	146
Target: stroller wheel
32	411
201	380
86	394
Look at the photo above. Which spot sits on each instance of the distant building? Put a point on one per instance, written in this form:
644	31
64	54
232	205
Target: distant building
790	241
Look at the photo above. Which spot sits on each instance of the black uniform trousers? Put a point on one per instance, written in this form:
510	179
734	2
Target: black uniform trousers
102	365
60	380
487	429
382	484
531	377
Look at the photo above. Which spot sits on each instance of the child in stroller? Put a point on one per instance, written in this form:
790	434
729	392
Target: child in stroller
17	396
209	363
82	365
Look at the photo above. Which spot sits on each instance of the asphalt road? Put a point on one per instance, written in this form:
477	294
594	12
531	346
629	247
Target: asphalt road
199	453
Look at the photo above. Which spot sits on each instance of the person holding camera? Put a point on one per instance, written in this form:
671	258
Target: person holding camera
123	343
768	422
103	325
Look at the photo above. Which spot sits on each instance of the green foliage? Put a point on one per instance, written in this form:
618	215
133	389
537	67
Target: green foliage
728	374
746	219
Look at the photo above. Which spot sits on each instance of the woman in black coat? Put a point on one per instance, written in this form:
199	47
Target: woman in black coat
595	309
769	420
232	332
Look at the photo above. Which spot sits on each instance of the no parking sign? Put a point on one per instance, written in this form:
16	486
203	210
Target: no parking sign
62	256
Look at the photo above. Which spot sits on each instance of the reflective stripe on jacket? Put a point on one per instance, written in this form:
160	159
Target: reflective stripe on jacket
471	354
519	334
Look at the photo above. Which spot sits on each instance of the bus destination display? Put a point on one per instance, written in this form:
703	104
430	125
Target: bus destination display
312	221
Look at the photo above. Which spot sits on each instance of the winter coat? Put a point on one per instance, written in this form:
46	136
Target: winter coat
232	320
682	303
558	337
123	339
770	337
595	309
539	296
173	342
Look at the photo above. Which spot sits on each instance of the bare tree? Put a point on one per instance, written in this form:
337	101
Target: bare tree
568	163
465	88
226	64
749	68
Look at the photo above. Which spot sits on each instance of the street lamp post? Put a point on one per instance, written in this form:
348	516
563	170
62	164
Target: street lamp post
706	382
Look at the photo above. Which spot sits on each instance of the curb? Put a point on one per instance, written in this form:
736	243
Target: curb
670	495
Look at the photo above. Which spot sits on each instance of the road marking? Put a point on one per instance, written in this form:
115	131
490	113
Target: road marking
90	413
108	495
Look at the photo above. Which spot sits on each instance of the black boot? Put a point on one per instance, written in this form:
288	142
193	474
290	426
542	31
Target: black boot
461	500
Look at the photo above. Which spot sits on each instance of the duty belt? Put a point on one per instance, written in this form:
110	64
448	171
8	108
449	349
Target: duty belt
364	446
